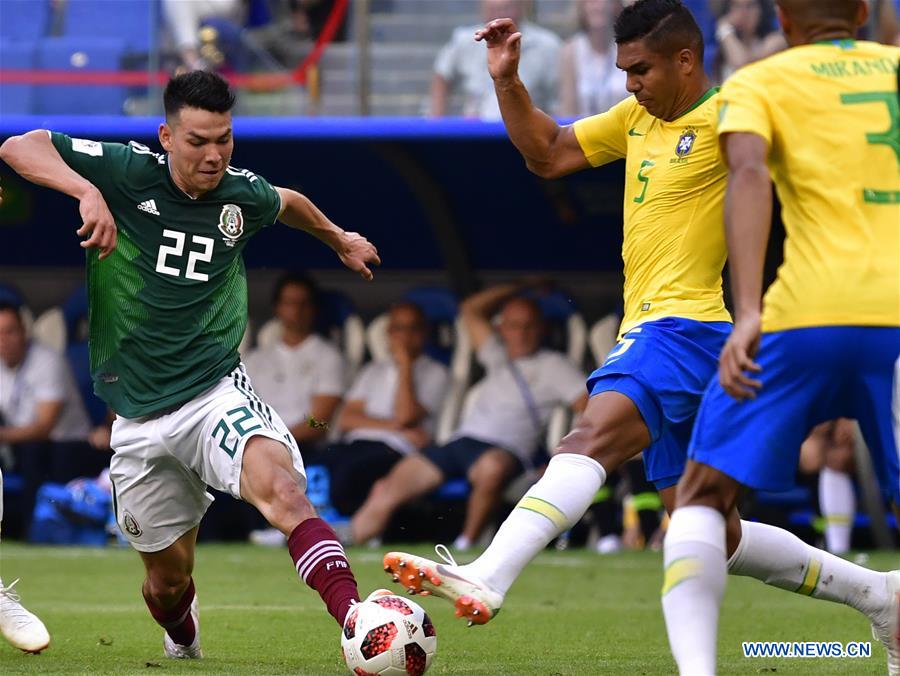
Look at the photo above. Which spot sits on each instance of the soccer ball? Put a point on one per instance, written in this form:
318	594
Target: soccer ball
388	635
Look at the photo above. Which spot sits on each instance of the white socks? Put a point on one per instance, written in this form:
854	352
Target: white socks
554	504
693	586
838	503
783	560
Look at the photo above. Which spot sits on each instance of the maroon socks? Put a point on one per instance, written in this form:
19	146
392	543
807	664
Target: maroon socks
320	561
177	622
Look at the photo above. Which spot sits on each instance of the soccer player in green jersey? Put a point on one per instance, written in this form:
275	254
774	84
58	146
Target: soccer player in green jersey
168	307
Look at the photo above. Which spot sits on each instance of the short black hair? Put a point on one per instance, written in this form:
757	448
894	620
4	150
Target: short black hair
296	279
198	89
667	26
415	308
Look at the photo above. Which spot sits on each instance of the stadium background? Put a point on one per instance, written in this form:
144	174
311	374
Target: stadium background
338	113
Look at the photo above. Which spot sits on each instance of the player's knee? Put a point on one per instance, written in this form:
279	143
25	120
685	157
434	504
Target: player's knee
166	587
596	441
702	485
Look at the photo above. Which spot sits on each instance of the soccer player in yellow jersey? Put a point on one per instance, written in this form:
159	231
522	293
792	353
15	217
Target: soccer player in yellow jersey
646	394
823	120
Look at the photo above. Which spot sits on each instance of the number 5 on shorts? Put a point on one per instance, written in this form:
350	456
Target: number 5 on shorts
236	424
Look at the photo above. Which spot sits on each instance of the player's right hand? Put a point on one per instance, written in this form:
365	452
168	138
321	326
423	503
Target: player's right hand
504	47
98	224
356	251
736	359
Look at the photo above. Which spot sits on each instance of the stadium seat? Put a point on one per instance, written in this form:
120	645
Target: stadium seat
602	337
11	295
23	20
16	99
80	54
135	22
50	329
75	316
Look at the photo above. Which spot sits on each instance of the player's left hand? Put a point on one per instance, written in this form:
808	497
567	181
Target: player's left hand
356	251
736	360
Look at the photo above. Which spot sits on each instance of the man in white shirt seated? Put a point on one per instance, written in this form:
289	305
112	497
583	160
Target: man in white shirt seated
42	417
502	430
391	410
301	375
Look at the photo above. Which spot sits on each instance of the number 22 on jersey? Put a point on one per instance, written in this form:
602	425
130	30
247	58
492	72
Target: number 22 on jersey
202	254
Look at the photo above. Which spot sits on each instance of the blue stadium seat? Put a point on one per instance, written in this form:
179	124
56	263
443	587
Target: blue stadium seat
80	54
24	20
136	22
75	312
16	99
11	295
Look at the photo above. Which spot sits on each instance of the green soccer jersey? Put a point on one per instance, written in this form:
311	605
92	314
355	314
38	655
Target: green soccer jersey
168	307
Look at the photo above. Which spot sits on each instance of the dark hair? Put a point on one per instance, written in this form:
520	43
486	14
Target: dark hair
667	26
6	306
298	279
198	89
415	308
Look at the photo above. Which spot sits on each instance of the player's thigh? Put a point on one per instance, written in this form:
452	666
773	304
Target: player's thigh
155	497
611	430
210	434
873	390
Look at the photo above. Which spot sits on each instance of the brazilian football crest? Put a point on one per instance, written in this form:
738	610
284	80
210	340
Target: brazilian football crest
686	142
231	223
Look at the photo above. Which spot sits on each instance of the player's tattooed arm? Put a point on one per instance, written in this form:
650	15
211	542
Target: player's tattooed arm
35	159
354	250
748	220
550	150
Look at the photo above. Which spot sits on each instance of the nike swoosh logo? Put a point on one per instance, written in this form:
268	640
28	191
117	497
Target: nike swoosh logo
632	132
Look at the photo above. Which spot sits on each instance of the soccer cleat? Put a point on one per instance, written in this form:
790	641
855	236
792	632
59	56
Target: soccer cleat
186	652
473	600
887	629
23	629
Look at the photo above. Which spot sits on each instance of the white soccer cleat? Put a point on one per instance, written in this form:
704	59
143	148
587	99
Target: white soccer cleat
186	652
473	599
23	629
887	628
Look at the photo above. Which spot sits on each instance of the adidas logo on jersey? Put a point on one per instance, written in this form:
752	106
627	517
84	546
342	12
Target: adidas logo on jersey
149	206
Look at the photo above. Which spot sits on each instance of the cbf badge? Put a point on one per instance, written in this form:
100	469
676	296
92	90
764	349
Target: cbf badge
686	142
231	223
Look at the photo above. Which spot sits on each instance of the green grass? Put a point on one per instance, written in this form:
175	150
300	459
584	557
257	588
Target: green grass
570	613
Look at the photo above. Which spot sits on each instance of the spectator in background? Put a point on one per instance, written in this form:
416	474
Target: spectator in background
184	18
42	417
391	410
745	33
590	83
461	65
301	375
501	432
829	451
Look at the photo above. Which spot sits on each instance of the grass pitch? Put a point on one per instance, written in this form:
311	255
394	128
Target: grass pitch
570	613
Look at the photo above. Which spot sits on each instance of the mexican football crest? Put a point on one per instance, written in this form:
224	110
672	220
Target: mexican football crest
231	223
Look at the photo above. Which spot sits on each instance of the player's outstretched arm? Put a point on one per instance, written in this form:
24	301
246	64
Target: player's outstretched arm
354	250
35	159
748	220
550	150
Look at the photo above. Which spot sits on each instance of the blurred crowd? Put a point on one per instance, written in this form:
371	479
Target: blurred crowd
429	421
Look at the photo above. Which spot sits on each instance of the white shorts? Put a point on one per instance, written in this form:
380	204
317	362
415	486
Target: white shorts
162	465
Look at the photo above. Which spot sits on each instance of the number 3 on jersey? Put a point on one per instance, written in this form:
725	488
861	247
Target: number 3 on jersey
177	249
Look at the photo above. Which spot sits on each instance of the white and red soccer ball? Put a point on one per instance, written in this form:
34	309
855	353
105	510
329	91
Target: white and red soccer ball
388	636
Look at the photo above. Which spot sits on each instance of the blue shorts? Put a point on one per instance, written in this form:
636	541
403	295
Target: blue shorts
664	367
809	376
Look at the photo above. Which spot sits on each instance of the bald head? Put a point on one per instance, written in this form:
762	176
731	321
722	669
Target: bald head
806	21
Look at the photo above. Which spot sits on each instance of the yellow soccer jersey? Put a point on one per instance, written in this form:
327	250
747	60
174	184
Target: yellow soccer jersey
830	114
674	241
